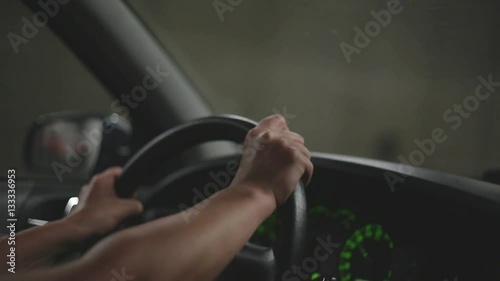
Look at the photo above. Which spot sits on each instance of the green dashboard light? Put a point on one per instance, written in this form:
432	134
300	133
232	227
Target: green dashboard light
346	255
265	233
315	276
378	234
366	245
261	229
319	209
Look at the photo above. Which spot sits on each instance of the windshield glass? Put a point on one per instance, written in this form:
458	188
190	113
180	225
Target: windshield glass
404	81
38	77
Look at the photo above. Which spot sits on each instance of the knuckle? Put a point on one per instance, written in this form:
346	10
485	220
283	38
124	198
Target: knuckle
94	179
100	180
267	135
253	133
295	154
282	143
300	138
279	118
138	206
114	171
307	153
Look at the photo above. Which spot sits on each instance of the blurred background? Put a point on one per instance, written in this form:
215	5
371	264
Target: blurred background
283	56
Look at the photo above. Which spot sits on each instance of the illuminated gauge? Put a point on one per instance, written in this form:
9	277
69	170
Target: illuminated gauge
327	225
318	213
315	275
266	233
367	255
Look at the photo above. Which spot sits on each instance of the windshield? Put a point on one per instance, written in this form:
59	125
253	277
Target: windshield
39	76
404	81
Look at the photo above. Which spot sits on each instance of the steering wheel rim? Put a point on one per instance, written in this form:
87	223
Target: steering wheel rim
268	262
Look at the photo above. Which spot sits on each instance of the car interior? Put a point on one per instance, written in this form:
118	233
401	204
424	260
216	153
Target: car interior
396	99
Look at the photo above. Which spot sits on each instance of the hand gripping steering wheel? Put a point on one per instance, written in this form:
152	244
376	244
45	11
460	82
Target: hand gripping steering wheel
253	262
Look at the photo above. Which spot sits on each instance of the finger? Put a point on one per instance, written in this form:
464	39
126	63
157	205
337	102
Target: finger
291	137
107	178
130	207
294	137
307	166
265	137
113	172
274	122
84	190
302	149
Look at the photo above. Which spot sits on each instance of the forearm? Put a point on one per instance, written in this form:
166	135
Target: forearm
111	259
40	244
173	249
201	249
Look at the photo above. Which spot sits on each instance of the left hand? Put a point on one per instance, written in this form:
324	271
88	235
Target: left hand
99	209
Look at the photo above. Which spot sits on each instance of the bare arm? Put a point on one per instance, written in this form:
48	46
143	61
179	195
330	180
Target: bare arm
171	249
202	249
39	245
99	211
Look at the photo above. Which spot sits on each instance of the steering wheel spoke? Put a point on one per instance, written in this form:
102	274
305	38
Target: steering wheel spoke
251	263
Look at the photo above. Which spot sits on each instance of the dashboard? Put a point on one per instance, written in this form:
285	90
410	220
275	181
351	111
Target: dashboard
430	226
361	229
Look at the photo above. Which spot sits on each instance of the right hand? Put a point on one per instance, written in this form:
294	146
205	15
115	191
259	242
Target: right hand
274	160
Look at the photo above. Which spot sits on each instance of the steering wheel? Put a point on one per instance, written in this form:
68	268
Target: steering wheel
253	262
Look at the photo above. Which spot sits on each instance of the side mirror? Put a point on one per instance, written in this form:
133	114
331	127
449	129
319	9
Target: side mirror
75	145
